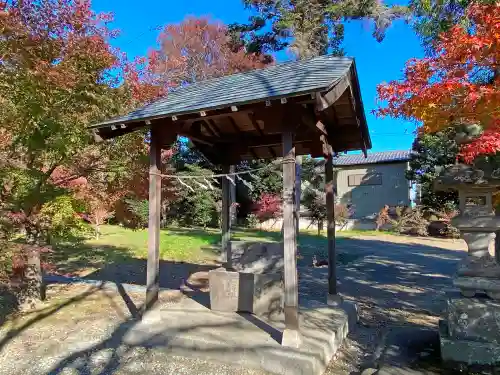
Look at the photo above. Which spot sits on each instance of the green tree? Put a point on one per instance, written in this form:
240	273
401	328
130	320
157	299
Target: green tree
309	27
199	201
431	154
267	180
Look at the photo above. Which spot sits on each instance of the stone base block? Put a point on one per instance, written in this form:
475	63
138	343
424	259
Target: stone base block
485	266
257	257
467	351
476	319
470	286
291	338
259	294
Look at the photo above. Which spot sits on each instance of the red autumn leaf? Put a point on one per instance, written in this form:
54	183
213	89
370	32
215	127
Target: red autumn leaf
460	84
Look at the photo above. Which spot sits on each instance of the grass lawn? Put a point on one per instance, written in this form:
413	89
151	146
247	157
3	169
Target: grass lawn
119	245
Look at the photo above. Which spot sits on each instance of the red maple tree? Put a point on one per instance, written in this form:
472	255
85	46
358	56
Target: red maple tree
197	49
458	86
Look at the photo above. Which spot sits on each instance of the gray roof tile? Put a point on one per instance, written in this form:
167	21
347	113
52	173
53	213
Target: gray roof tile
373	158
281	80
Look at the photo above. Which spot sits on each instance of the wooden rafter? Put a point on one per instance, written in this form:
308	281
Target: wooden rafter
214	127
240	138
335	93
209	129
261	133
314	124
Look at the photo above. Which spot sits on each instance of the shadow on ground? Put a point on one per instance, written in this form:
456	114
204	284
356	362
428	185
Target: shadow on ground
400	290
396	286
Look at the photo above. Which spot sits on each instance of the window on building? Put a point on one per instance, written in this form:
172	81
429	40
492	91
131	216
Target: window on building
364	179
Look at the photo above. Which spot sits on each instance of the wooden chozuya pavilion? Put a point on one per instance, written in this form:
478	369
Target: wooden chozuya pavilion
310	107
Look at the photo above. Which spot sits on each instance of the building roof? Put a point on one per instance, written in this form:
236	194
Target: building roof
372	158
277	81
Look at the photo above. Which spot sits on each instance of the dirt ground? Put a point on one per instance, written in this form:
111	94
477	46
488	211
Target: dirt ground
399	284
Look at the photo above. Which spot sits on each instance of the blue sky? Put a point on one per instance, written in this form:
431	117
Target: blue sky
376	62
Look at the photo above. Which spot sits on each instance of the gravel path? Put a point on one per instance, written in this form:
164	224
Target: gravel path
398	283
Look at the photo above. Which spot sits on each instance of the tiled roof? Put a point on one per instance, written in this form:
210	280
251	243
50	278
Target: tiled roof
373	158
281	80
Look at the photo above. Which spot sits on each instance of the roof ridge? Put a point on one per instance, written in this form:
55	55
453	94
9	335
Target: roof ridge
373	157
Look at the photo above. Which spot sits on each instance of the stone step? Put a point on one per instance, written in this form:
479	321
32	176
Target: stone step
466	351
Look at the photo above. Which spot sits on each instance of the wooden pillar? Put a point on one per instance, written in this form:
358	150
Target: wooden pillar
291	335
298	193
153	265
330	217
232	199
226	218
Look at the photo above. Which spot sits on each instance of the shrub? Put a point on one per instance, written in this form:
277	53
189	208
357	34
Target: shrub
440	223
343	213
267	207
139	213
59	219
412	222
315	202
252	221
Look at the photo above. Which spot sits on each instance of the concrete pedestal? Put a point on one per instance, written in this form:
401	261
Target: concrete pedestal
467	351
471	332
255	282
471	286
476	319
259	294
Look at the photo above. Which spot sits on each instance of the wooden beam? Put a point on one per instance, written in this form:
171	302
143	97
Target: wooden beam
101	134
298	193
325	146
311	122
239	132
234	125
334	93
240	148
330	217
320	103
153	263
209	115
272	118
214	127
226	219
291	335
105	132
209	129
261	133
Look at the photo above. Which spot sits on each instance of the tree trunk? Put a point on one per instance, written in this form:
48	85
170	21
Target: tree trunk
32	289
320	227
97	230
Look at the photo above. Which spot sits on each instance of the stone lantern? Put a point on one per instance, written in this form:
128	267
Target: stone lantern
471	331
480	273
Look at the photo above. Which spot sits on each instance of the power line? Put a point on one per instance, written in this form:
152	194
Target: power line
392	134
